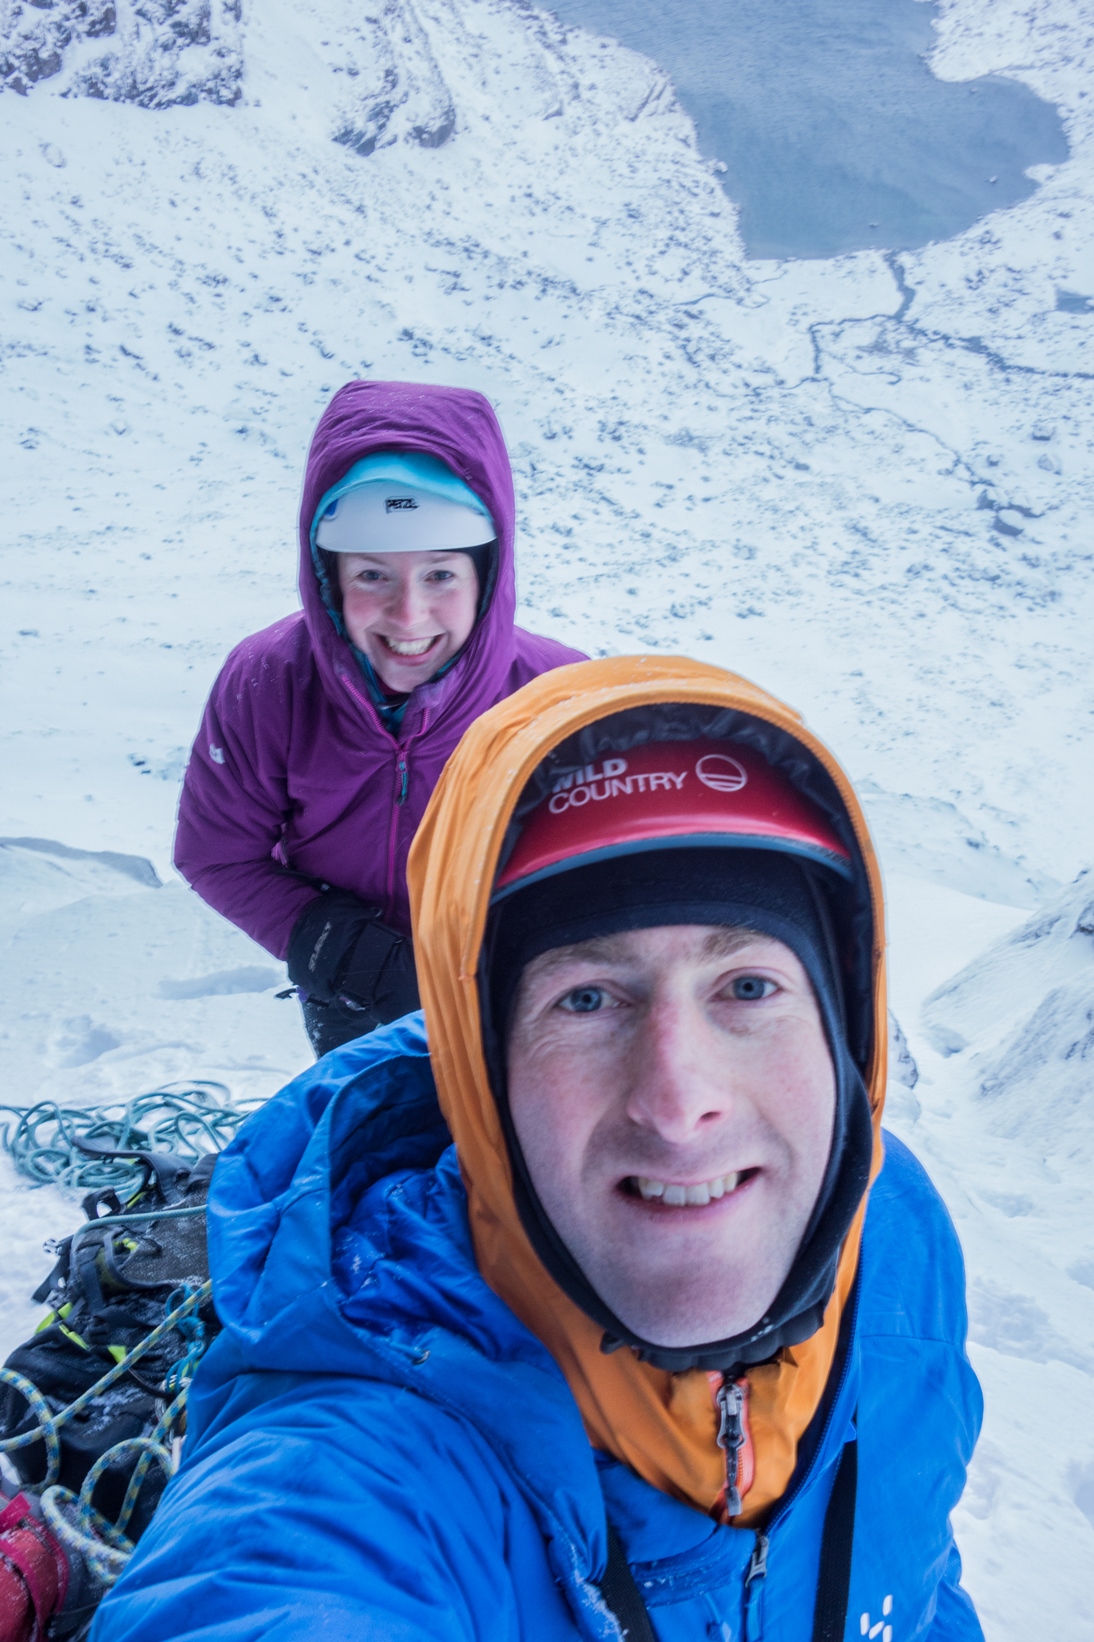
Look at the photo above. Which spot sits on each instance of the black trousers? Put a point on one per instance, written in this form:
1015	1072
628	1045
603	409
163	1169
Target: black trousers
330	1025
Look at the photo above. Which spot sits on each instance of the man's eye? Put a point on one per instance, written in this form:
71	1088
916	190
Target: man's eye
750	988
584	1000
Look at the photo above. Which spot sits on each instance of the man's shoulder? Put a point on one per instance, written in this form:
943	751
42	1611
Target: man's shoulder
350	1173
363	1100
913	1273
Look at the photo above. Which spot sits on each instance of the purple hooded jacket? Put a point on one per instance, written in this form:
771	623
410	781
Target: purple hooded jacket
292	767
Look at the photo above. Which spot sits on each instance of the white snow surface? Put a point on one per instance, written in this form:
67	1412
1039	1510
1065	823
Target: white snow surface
865	483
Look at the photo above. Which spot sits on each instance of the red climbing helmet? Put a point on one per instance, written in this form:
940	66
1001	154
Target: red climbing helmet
665	793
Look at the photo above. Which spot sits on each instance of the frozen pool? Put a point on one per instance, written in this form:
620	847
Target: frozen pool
834	132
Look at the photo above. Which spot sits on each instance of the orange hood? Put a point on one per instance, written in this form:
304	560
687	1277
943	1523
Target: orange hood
661	1424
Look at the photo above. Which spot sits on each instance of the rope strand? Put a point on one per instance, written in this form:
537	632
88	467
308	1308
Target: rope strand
103	1544
52	1423
188	1120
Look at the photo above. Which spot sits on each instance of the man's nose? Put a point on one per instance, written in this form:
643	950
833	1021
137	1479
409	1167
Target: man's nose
678	1083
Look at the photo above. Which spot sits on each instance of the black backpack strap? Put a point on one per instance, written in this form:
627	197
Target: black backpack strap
834	1579
622	1595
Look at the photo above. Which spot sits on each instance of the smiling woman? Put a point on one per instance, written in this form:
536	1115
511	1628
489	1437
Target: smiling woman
325	734
405	553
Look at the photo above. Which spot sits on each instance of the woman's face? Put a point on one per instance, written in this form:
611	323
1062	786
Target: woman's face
408	612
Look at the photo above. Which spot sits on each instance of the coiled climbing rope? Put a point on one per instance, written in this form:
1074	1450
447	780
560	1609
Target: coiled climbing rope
185	1119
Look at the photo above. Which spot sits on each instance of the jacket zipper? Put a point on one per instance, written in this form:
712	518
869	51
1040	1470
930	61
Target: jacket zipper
402	788
402	778
393	829
757	1567
730	1401
754	1586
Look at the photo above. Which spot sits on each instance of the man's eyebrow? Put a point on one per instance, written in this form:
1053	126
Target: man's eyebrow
600	949
725	939
722	941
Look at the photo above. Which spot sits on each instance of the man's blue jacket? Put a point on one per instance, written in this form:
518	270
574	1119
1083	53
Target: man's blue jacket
379	1451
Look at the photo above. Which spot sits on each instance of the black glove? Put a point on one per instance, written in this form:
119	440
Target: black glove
339	951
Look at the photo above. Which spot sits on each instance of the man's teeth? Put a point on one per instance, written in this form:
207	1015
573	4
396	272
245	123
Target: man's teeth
409	647
686	1197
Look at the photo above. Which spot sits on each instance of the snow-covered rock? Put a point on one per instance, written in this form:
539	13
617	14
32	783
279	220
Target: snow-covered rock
1041	1083
155	53
398	89
1001	995
34	38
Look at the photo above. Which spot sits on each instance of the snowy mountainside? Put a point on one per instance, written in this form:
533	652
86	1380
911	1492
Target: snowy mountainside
1002	1115
1027	1007
864	482
832	474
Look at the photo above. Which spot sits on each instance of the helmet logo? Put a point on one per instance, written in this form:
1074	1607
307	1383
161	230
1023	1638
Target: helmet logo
721	773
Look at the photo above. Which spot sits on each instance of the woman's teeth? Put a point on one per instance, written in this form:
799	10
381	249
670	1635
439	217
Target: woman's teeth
410	647
687	1197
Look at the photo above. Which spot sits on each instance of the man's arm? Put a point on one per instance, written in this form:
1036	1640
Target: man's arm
920	1402
334	1507
955	1618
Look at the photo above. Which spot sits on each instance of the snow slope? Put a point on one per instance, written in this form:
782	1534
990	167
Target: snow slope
865	482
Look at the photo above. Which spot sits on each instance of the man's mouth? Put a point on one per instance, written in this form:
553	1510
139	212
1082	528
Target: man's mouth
409	647
697	1196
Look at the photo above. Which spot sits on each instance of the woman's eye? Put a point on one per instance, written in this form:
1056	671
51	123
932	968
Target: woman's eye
750	988
584	1000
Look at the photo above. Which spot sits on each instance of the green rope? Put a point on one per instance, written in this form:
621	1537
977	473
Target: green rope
103	1544
155	1449
186	1119
50	1423
47	1424
105	1552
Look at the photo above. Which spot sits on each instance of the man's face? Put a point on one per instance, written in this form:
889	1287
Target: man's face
408	612
673	1095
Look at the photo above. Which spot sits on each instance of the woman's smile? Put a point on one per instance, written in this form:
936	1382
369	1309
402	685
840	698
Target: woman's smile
409	613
